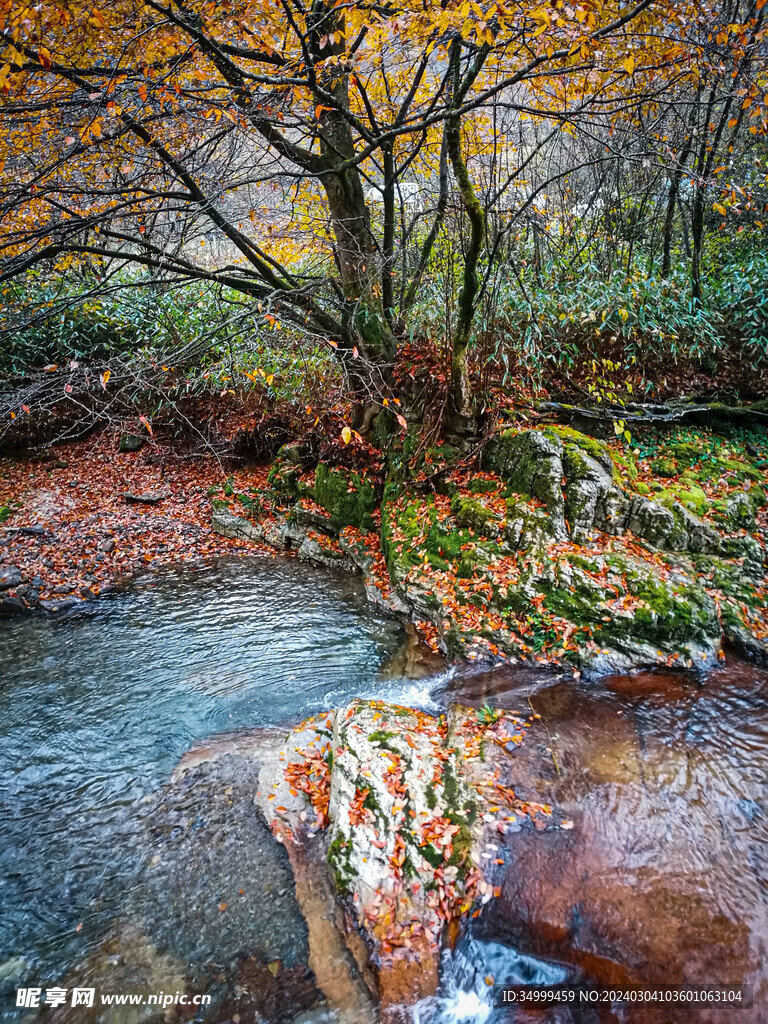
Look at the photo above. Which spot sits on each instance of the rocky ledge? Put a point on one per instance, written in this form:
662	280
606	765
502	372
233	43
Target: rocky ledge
558	547
411	809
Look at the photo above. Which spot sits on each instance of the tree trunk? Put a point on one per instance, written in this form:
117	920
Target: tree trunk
461	393
697	237
669	219
358	261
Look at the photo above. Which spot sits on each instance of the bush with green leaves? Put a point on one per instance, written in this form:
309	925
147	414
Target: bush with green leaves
206	338
569	308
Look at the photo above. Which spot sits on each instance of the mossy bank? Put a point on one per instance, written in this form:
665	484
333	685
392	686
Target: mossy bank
551	546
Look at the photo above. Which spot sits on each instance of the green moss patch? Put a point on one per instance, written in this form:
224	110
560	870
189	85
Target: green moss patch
349	498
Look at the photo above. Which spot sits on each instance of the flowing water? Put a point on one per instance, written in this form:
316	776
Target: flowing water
95	710
665	780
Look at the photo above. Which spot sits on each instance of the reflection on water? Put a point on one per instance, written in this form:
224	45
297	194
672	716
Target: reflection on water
95	710
664	876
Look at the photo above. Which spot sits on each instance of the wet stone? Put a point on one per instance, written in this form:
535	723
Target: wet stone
211	849
10	577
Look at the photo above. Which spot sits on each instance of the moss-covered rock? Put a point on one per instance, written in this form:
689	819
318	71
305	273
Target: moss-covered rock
691	498
742	604
284	475
626	602
545	554
530	462
670	527
594	448
664	467
348	497
587	484
472	513
529	527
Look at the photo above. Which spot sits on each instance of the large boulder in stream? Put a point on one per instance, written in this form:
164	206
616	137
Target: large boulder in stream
410	806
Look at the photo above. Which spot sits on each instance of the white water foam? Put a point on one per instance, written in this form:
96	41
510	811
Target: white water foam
409	693
470	977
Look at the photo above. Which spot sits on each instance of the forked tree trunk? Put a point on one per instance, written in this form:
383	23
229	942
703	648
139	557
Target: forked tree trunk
358	261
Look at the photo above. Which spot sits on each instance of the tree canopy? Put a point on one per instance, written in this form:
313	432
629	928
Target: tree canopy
308	156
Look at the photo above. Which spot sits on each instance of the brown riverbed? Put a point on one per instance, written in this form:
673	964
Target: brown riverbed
664	877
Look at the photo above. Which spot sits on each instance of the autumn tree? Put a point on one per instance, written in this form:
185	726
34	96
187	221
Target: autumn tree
303	155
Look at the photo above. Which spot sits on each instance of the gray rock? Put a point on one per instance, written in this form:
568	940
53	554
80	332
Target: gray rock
671	529
307	519
10	605
143	499
529	528
107	545
130	442
63	604
531	463
413	814
587	484
312	550
740	512
228	525
10	576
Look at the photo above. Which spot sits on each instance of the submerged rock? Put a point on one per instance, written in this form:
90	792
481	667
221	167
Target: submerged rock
660	881
218	889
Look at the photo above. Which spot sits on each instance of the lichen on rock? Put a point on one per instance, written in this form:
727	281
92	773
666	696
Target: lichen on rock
409	804
496	563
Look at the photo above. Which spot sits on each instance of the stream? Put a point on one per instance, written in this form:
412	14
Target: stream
665	780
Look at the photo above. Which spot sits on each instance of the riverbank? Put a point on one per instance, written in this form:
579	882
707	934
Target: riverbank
78	519
545	546
550	546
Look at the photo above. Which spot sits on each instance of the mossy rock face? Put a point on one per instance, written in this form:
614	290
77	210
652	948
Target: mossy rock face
529	528
482	486
664	467
447	542
587	486
473	514
737	512
742	603
531	463
665	611
283	477
692	498
348	498
670	527
625	467
597	450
